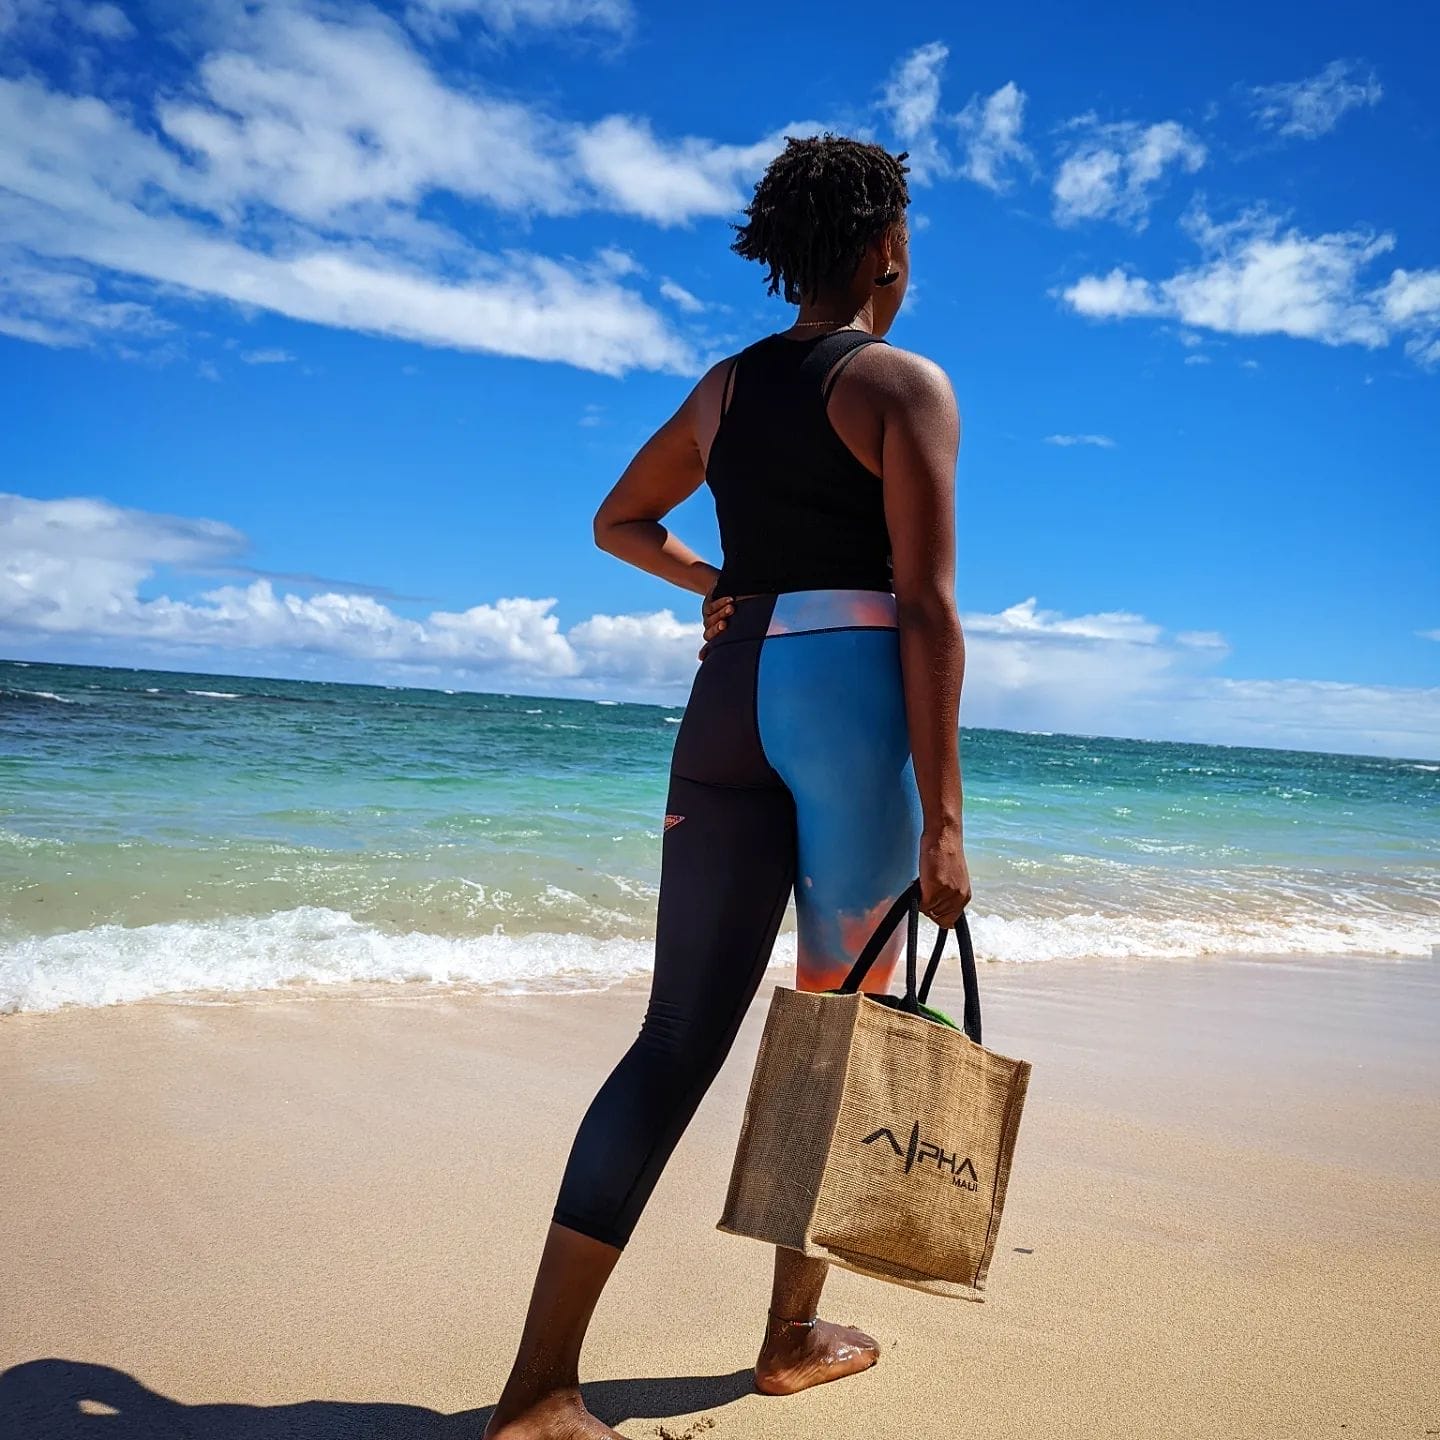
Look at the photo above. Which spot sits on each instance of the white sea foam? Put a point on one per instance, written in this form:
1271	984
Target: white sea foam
110	964
312	945
48	695
215	694
1100	936
16	841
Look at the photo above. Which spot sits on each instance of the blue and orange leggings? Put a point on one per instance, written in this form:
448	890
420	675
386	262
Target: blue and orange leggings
791	773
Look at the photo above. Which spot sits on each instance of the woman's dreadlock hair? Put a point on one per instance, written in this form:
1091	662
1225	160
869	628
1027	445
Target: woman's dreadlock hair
817	207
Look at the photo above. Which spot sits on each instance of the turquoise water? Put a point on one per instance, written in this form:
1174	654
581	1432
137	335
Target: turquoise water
167	832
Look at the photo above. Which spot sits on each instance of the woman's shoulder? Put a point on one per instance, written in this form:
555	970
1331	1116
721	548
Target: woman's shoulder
895	373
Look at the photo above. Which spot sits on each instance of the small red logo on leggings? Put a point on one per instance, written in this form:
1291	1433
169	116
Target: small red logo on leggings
671	821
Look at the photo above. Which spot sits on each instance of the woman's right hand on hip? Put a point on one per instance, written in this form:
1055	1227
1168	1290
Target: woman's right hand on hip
714	611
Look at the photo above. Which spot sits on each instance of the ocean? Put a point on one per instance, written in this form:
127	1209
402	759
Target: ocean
163	832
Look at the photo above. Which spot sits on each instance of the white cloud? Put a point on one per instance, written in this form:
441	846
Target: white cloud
297	170
1429	634
314	116
1115	296
912	100
1259	279
108	21
1202	639
988	128
1102	442
630	169
1424	350
1028	619
991	130
74	568
63	307
1118	674
506	17
532	307
23	17
266	357
71	572
1310	108
646	651
617	261
1410	300
1114	171
678	295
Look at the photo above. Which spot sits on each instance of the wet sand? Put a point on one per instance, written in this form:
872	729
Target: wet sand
316	1215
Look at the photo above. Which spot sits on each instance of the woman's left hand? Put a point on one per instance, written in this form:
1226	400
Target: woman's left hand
715	610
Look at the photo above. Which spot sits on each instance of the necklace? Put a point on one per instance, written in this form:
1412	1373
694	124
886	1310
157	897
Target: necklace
813	324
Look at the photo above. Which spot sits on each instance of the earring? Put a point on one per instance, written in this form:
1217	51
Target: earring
888	278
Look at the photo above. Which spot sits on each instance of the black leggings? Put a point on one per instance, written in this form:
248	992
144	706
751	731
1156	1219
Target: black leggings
791	771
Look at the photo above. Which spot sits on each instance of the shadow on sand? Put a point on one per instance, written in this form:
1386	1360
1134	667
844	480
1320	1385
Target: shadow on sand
70	1400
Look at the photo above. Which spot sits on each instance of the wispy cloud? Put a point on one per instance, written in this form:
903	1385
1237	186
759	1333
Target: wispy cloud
912	99
296	172
986	144
1410	301
1113	172
267	357
64	306
1102	442
506	17
96	19
1307	109
990	129
678	295
1258	278
72	571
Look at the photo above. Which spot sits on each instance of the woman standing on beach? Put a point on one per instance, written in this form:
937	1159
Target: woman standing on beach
819	749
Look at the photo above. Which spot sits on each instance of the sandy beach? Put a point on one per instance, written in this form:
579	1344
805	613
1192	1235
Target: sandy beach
315	1214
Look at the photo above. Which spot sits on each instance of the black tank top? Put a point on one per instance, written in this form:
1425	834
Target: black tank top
797	510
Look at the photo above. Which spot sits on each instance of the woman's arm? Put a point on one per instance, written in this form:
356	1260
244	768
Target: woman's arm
919	445
669	468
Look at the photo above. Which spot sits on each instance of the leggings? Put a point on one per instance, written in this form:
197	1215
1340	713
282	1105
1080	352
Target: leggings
791	772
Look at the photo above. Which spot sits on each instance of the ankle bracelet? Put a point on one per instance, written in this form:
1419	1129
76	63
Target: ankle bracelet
796	1324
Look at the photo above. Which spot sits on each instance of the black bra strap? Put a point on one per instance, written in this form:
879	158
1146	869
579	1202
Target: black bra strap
841	363
830	355
727	390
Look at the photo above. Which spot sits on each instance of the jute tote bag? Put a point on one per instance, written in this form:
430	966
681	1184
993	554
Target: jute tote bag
877	1134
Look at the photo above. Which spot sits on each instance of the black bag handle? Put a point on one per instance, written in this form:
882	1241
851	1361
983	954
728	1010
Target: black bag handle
908	905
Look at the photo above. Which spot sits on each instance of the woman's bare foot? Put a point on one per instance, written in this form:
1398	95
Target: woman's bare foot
560	1415
795	1357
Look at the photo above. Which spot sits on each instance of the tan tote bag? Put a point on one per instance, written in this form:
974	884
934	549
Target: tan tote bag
878	1134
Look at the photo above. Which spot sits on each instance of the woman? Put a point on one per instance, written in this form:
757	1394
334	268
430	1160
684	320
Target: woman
833	655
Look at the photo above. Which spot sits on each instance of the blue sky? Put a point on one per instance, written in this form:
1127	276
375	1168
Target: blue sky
323	328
